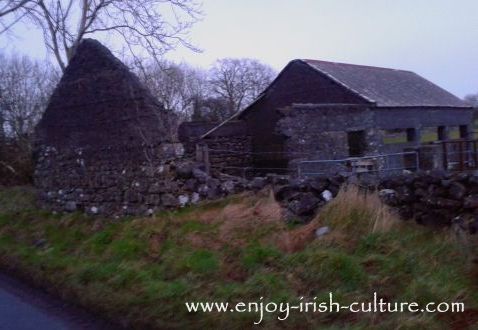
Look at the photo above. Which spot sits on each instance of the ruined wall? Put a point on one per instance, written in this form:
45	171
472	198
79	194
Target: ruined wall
190	132
108	180
229	146
104	144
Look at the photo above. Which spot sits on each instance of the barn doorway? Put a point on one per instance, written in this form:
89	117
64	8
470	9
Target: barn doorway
357	143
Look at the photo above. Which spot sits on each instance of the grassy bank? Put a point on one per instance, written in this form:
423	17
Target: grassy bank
141	271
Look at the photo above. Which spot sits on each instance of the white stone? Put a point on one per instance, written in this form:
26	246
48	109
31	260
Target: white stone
195	198
183	200
326	195
386	192
322	231
94	210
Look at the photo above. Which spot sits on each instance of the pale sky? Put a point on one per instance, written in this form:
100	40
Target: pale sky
435	38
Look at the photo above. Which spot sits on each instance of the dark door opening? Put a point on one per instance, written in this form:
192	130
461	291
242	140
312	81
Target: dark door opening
357	143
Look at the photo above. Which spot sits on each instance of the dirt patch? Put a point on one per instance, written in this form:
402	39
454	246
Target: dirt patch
246	217
297	239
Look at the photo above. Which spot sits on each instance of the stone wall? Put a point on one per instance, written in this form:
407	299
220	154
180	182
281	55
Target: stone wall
434	198
319	132
122	181
229	146
104	144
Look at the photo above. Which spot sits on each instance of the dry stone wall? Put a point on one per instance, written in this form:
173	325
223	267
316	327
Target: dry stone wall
434	198
229	146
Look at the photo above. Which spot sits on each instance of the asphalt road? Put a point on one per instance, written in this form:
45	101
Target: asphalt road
25	308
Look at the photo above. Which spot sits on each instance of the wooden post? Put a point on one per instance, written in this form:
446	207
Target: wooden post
207	164
199	153
445	156
202	156
461	155
475	156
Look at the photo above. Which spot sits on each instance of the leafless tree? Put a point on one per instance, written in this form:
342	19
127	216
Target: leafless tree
239	81
10	6
472	99
25	87
176	86
156	26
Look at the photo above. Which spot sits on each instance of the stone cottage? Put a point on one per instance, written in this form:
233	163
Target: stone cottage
317	110
104	143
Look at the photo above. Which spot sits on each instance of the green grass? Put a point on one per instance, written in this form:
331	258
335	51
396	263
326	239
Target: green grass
141	271
427	135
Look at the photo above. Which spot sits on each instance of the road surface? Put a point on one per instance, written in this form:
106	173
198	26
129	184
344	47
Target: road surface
25	308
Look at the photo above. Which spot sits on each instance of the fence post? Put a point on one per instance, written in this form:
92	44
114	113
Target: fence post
202	156
199	154
475	156
206	161
445	156
462	156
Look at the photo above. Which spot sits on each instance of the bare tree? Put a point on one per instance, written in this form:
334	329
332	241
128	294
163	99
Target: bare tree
239	81
472	100
156	26
10	6
25	87
176	86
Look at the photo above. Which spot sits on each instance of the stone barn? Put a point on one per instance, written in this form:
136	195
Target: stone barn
104	143
317	110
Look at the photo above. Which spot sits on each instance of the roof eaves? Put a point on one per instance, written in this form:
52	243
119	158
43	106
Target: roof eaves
234	116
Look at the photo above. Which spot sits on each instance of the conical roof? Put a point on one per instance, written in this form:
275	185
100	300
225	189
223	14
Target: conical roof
99	101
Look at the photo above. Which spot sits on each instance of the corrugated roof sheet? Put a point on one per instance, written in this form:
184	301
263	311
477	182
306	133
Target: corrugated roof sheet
387	87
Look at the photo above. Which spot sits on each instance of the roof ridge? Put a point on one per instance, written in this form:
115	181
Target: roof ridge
356	65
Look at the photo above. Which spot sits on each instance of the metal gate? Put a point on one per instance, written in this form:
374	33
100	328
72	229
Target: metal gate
380	165
459	155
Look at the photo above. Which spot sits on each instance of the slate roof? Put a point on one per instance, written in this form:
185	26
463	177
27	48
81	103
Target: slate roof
387	87
383	87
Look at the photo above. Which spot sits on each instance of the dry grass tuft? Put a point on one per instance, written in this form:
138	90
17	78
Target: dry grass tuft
297	239
249	215
358	213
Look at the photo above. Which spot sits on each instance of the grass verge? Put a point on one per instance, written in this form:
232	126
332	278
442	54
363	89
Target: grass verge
141	271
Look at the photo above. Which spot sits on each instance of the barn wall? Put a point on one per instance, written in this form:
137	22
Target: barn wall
320	133
390	118
298	83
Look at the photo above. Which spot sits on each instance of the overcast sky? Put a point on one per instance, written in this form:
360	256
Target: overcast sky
437	39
